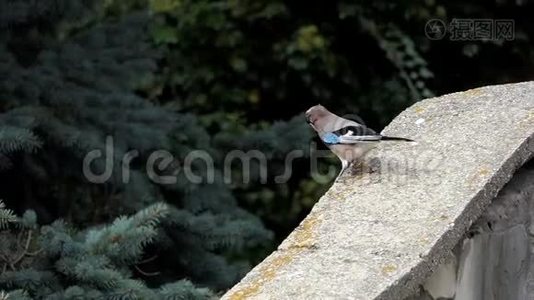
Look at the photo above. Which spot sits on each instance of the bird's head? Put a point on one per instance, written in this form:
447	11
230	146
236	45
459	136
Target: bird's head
315	113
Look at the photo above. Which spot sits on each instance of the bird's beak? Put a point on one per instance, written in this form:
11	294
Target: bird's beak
309	120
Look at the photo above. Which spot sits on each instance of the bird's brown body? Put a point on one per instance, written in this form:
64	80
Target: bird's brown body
323	121
351	140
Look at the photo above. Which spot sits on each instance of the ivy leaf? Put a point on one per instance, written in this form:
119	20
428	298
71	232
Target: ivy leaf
164	35
238	64
163	6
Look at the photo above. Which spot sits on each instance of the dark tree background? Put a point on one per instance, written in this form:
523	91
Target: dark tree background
186	75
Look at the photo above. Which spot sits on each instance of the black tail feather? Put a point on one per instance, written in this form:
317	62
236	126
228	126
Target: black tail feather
394	138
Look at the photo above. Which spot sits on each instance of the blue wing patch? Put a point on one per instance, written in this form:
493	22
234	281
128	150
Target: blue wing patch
330	138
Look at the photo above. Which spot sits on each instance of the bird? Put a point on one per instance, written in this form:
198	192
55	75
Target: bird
347	139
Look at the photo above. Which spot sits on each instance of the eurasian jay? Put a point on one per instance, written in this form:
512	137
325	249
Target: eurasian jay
347	139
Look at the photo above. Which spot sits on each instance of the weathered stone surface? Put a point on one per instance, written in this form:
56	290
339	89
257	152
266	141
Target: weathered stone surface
494	260
380	233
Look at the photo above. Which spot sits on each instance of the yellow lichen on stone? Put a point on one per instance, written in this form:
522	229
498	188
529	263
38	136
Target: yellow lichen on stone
302	238
424	240
419	110
474	92
388	269
528	120
483	172
339	191
266	273
475	178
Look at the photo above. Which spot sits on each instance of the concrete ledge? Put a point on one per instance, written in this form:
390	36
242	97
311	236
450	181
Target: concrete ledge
379	234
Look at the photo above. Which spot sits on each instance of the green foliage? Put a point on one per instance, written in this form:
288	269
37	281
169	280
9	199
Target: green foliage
69	79
97	263
215	68
241	65
253	57
6	216
186	75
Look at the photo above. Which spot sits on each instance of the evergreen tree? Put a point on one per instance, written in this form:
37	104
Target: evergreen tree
242	64
69	76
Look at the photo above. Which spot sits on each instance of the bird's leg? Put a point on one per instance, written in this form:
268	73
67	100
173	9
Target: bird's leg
344	166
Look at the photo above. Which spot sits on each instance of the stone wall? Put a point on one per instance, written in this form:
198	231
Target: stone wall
383	232
494	259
